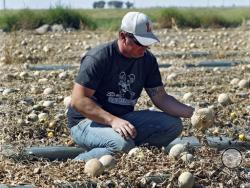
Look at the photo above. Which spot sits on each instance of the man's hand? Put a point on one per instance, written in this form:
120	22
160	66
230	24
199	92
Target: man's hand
81	100
168	103
124	128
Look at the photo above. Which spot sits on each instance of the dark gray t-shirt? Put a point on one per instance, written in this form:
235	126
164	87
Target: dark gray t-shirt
116	79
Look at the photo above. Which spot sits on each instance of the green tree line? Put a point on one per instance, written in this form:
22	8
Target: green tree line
109	19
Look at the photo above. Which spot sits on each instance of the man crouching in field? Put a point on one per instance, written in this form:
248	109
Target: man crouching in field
110	80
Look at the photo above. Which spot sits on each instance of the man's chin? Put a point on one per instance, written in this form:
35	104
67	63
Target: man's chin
139	55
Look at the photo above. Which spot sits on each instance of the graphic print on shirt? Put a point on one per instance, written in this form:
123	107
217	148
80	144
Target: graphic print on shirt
125	95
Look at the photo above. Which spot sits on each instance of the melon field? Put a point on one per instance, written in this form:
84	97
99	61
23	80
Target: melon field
37	72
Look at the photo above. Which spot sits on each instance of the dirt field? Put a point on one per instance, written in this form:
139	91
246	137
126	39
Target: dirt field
33	115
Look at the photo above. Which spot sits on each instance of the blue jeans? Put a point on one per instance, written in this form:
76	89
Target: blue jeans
153	128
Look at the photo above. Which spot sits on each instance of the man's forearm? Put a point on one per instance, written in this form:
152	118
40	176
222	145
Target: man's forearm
91	110
173	107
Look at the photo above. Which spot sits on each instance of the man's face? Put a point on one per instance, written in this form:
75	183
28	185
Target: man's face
133	47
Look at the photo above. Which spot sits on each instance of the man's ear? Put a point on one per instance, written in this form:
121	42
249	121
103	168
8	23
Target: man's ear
122	35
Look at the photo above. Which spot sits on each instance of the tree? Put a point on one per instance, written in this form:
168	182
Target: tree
99	4
115	4
129	5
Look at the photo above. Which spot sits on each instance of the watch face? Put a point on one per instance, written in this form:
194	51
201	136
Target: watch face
231	158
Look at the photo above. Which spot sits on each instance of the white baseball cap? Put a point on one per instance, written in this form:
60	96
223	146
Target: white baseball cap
140	26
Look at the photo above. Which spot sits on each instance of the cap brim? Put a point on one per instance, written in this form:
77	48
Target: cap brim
147	40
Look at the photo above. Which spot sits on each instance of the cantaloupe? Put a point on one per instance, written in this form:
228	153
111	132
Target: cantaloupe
93	167
203	118
108	161
186	180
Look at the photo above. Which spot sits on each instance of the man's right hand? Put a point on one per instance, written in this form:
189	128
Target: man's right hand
82	101
123	127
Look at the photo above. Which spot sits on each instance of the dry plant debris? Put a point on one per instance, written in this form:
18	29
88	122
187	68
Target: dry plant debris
33	104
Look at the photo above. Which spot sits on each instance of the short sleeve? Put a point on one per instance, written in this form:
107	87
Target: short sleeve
91	72
153	78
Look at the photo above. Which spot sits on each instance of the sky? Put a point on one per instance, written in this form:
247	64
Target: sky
44	4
